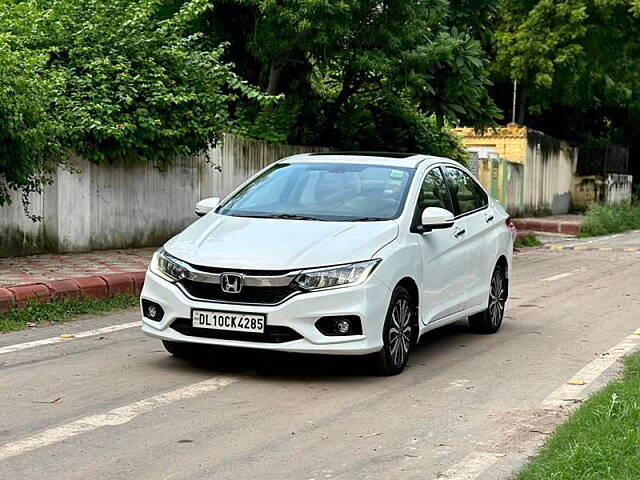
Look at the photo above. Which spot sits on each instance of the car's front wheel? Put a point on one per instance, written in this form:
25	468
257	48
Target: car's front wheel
397	335
490	320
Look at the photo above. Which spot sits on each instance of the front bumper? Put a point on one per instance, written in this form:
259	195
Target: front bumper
369	301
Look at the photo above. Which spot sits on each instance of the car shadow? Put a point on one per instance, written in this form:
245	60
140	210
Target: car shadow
295	366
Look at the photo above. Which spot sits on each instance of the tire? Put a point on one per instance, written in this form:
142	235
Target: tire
490	320
179	349
393	357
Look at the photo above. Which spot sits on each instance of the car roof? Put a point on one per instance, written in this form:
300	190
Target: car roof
409	160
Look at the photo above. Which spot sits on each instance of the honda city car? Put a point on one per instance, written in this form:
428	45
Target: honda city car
334	253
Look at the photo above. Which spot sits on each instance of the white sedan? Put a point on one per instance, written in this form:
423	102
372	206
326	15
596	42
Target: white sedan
335	253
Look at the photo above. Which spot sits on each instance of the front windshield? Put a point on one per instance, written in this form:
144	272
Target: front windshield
323	191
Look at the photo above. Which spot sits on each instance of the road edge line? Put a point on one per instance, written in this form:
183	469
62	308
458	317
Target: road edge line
115	417
566	397
53	340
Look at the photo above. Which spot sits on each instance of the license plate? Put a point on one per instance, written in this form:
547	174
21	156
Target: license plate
234	321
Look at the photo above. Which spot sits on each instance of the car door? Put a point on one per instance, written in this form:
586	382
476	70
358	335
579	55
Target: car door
443	261
474	222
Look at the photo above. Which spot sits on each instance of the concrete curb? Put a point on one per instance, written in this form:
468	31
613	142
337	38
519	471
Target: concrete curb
98	286
548	226
586	248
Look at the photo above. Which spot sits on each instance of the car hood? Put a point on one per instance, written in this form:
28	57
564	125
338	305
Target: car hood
277	244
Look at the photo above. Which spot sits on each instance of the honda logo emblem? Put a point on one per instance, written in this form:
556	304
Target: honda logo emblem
231	282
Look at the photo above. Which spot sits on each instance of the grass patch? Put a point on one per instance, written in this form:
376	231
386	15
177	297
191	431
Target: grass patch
62	310
606	219
529	240
600	441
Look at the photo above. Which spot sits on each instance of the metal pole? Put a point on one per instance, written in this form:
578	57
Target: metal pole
513	110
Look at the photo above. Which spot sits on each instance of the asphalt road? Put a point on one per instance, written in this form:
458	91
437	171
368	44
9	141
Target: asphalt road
115	405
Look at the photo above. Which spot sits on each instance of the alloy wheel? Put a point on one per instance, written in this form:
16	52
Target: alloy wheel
400	331
497	299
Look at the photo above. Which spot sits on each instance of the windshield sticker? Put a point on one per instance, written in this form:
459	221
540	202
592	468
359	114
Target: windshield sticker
396	174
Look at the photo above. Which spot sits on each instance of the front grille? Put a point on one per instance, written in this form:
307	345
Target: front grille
253	295
257	273
272	333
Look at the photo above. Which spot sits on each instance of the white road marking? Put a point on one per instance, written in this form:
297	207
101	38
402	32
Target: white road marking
567	394
556	277
49	341
602	239
117	416
476	463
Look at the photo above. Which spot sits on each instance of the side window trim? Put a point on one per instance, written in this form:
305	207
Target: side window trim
455	204
443	174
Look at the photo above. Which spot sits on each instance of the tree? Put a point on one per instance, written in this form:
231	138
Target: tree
26	129
576	62
123	80
339	62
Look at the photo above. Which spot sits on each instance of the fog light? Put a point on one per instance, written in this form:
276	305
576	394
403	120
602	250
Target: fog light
152	310
342	326
339	325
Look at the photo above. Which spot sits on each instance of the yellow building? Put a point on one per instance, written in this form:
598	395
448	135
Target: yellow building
526	170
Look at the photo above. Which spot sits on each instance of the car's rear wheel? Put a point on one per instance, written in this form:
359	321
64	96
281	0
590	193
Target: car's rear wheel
179	349
490	320
398	334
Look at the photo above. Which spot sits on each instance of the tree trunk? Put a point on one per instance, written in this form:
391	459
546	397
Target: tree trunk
334	108
274	78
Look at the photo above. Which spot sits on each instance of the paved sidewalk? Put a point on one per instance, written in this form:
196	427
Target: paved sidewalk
50	276
49	267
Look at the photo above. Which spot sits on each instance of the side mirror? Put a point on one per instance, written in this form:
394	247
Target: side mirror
205	206
435	218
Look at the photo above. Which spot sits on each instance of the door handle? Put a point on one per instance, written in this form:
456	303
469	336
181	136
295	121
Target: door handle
459	232
489	218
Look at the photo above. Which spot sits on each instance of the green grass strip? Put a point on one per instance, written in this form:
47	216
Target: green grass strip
606	219
527	241
600	441
62	310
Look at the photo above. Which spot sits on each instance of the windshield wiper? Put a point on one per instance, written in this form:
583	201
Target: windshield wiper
289	216
367	219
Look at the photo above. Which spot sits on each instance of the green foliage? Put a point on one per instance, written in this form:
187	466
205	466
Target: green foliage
271	123
390	122
576	62
605	219
600	440
527	241
149	80
123	80
355	72
25	127
448	77
62	310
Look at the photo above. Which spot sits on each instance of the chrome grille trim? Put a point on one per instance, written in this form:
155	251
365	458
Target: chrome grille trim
249	280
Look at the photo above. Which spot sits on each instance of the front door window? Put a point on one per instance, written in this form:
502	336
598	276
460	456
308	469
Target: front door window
467	194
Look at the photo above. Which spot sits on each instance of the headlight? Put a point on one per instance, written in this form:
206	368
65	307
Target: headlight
340	276
166	266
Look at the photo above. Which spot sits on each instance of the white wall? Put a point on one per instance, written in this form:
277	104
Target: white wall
18	234
118	206
548	174
609	188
